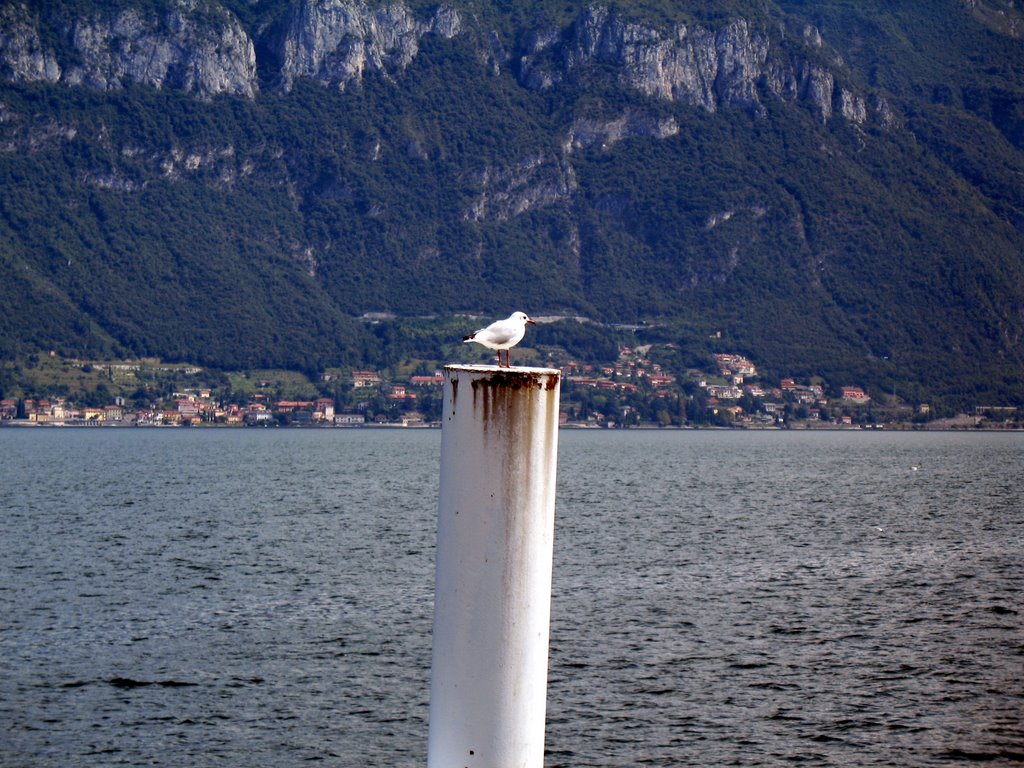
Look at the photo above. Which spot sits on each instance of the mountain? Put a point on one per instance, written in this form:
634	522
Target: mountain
834	189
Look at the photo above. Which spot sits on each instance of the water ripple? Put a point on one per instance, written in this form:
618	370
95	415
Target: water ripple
264	597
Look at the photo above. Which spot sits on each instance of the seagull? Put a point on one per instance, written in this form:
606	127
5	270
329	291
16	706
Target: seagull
502	334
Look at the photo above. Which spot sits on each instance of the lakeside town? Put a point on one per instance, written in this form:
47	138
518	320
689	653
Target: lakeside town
634	392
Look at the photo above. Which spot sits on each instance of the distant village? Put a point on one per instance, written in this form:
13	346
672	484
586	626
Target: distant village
632	392
730	396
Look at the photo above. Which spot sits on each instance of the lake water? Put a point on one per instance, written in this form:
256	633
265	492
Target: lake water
263	597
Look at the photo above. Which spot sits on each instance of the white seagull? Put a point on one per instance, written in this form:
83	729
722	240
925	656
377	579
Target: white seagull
502	334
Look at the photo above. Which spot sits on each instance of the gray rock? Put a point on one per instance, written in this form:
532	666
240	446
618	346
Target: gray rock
735	66
537	181
201	53
337	41
606	133
22	56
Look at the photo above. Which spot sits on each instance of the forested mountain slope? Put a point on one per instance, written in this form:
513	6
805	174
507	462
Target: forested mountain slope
836	188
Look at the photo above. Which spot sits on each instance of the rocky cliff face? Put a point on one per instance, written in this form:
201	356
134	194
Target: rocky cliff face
201	53
535	182
1003	16
203	49
606	133
23	59
736	65
337	41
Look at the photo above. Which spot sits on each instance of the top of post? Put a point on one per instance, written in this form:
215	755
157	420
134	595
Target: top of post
516	377
515	369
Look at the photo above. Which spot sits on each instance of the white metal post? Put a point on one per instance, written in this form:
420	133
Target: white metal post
492	594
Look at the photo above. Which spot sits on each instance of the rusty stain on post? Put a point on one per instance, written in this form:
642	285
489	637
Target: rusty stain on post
493	571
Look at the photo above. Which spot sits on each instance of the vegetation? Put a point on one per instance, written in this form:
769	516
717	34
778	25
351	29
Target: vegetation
252	234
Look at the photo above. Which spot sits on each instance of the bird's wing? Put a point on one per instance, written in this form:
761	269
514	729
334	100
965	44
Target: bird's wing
501	332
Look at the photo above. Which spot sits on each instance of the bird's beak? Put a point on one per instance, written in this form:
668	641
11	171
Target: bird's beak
530	322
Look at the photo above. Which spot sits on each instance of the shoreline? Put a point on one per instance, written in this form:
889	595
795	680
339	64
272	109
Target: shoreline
797	427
